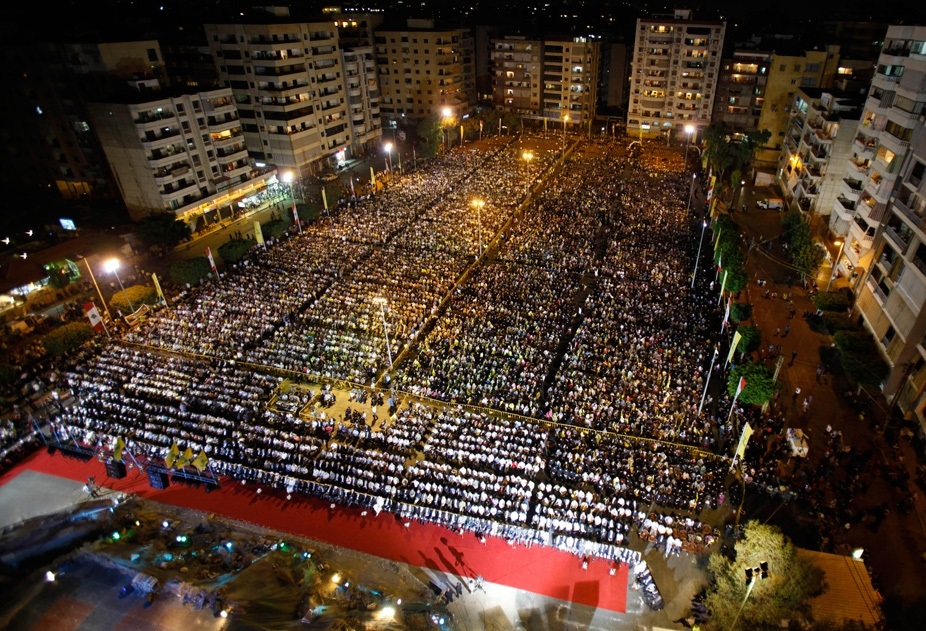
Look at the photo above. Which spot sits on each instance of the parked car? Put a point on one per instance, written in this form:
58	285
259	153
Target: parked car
329	177
771	203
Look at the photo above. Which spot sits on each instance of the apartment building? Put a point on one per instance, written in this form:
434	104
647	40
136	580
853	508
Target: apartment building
51	152
674	71
362	99
517	70
890	295
787	73
288	85
812	170
182	153
423	70
741	90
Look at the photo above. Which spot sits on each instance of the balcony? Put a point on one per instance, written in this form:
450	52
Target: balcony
146	119
850	189
865	146
907	212
151	140
847	204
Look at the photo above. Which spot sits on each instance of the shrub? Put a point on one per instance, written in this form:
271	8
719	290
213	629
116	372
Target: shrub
835	322
190	271
273	229
859	358
740	311
831	301
760	387
67	337
234	250
135	295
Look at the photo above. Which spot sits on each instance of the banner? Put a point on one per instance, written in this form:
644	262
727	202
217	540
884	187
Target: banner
258	235
172	455
211	260
94	316
200	462
726	315
118	448
740	386
157	286
736	340
744	439
325	195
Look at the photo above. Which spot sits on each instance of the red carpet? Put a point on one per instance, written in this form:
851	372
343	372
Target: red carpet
537	569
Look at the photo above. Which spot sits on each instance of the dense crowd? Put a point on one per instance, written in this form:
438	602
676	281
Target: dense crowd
569	360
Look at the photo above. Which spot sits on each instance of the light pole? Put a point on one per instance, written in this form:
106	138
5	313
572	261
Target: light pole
288	180
710	371
478	204
752	575
689	129
447	115
565	120
698	257
528	156
112	266
388	148
382	312
694	176
842	245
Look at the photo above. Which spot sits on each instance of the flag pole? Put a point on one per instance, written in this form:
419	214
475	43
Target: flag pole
708	380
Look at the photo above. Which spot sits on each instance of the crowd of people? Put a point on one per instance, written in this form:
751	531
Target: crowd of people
557	332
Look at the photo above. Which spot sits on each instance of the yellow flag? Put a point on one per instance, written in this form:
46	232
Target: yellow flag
185	459
117	449
736	341
744	438
201	462
172	455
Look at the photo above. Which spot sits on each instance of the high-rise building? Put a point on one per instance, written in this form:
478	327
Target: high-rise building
288	85
517	70
891	289
787	73
741	90
812	170
674	71
362	98
182	153
423	70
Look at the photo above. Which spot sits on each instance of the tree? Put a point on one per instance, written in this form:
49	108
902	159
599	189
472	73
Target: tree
134	296
835	322
190	271
67	337
163	230
750	338
740	311
760	387
234	250
430	132
809	258
784	595
831	301
273	228
860	360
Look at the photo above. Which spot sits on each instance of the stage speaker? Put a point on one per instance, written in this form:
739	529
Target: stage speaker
84	455
115	470
158	479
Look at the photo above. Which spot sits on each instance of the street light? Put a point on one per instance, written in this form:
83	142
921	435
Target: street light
689	129
752	575
447	115
694	176
112	266
382	312
842	245
288	178
698	257
388	148
565	120
528	156
478	204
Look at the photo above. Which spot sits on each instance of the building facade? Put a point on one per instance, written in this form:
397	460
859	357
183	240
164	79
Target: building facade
184	154
423	70
741	90
891	296
817	147
674	72
288	85
517	68
362	99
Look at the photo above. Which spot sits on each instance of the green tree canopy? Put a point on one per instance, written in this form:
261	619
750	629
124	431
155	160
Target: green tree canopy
750	338
809	258
190	271
67	337
134	296
760	387
831	301
860	359
163	230
234	250
740	311
784	595
430	132
273	228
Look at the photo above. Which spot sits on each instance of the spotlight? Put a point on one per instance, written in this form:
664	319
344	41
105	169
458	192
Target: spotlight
50	576
223	613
